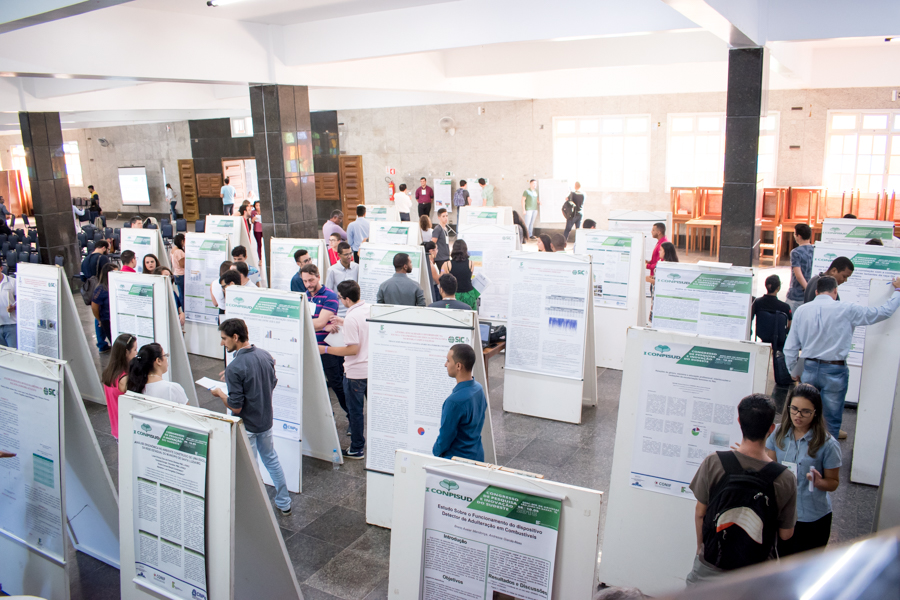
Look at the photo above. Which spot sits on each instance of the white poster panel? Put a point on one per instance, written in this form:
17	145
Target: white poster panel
880	263
140	241
474	189
229	227
133	310
284	267
274	324
376	265
402	233
857	231
408	384
553	193
611	263
382	212
30	484
704	301
486	215
480	540
642	221
687	409
489	250
169	482
37	310
548	310
443	193
203	255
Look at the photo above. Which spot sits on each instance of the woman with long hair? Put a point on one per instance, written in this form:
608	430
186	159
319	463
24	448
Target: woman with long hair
802	443
100	302
543	243
426	227
668	252
145	375
176	255
113	376
462	268
256	217
149	264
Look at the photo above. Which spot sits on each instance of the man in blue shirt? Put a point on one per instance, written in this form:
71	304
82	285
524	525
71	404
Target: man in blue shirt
358	231
302	258
227	194
462	415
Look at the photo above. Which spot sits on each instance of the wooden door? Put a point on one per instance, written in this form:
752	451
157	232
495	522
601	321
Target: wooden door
190	205
234	171
327	186
351	181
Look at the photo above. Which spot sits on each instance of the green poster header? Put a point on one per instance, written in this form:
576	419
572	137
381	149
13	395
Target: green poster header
390	254
868	233
189	442
487	214
141	240
876	262
517	506
713	358
313	251
276	307
398	229
141	290
213	246
739	284
624	242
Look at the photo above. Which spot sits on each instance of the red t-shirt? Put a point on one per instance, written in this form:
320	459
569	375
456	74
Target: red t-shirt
654	258
333	256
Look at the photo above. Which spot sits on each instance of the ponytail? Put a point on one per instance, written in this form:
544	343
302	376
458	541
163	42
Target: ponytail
142	365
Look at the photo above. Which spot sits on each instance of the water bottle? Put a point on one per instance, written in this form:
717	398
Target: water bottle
335	460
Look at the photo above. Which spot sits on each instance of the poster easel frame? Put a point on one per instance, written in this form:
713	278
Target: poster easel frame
468	213
321	261
423	280
498	230
203	338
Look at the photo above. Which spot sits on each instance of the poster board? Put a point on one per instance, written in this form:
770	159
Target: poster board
856	231
78	500
143	242
636	514
489	249
376	266
203	253
443	194
553	193
617	265
476	198
235	229
550	365
470	216
284	267
382	212
642	221
245	553
878	387
578	538
711	299
402	233
418	338
48	324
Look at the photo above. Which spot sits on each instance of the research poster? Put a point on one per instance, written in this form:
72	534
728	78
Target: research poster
611	256
203	256
553	193
140	241
229	227
482	216
37	310
394	233
132	310
284	267
475	189
377	265
30	497
443	194
857	231
169	471
870	262
482	540
702	302
408	384
687	409
274	323
489	252
548	309
380	212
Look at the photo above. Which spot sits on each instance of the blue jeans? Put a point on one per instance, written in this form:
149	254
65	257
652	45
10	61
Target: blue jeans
172	210
179	283
831	381
355	393
264	446
574	221
404	216
530	218
8	336
102	343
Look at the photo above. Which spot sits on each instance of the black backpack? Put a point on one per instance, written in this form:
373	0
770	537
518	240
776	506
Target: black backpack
88	287
568	209
741	521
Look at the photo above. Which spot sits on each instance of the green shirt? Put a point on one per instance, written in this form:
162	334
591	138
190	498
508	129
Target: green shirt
487	193
531	199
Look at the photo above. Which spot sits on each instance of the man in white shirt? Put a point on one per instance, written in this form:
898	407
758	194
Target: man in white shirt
402	202
227	194
343	270
7	312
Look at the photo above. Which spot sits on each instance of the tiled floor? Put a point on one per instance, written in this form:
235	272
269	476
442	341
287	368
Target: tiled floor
336	555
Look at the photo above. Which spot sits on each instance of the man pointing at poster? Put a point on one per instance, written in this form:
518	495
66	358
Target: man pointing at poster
462	415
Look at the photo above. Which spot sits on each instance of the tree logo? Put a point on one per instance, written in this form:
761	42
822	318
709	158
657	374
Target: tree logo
662	349
449	485
146	427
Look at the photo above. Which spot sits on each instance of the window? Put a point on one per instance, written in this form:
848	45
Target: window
241	127
603	153
695	154
73	162
863	151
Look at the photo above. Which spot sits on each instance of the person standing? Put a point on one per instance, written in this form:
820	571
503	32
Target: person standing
177	257
227	193
823	330
402	202
333	225
463	270
145	375
439	237
448	294
100	309
426	228
462	415
256	218
215	287
658	231
801	265
557	243
95	261
424	197
487	192
114	376
343	270
461	198
358	231
239	255
400	289
77	212
251	380
576	198
802	443
4	212
94	196
8	333
770	302
172	199
840	269
129	261
302	258
355	355
530	203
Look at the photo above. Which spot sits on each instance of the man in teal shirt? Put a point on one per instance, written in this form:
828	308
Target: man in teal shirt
462	415
530	203
487	192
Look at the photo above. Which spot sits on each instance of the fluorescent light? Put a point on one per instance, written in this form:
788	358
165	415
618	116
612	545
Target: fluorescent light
831	572
215	3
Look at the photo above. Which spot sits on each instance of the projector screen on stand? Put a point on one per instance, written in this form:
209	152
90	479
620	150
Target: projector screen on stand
133	185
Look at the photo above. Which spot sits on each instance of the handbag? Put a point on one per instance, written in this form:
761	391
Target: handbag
88	287
779	362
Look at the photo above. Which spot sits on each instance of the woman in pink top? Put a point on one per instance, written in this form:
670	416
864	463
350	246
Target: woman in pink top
123	350
256	217
177	256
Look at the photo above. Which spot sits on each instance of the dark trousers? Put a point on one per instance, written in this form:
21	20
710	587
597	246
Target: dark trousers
576	221
356	256
179	283
102	330
226	209
334	377
807	536
439	264
404	216
174	214
355	393
424	208
259	243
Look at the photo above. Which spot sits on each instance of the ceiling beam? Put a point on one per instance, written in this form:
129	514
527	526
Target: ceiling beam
709	18
17	14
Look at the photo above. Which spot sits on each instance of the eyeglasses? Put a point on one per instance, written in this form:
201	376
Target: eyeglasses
803	412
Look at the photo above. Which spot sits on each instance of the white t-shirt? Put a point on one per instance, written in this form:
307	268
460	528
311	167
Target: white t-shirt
218	293
170	194
402	202
166	390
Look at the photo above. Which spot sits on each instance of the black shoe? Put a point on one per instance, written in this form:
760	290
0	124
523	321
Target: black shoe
286	513
348	432
353	455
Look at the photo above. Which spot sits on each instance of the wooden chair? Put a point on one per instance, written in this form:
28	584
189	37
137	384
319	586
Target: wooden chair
709	217
684	207
869	206
772	217
892	210
800	206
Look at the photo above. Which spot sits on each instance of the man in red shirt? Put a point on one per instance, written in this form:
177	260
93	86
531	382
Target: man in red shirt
659	234
424	197
129	261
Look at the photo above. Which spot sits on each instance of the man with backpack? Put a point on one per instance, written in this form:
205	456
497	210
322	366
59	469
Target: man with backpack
744	498
571	209
91	267
460	198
